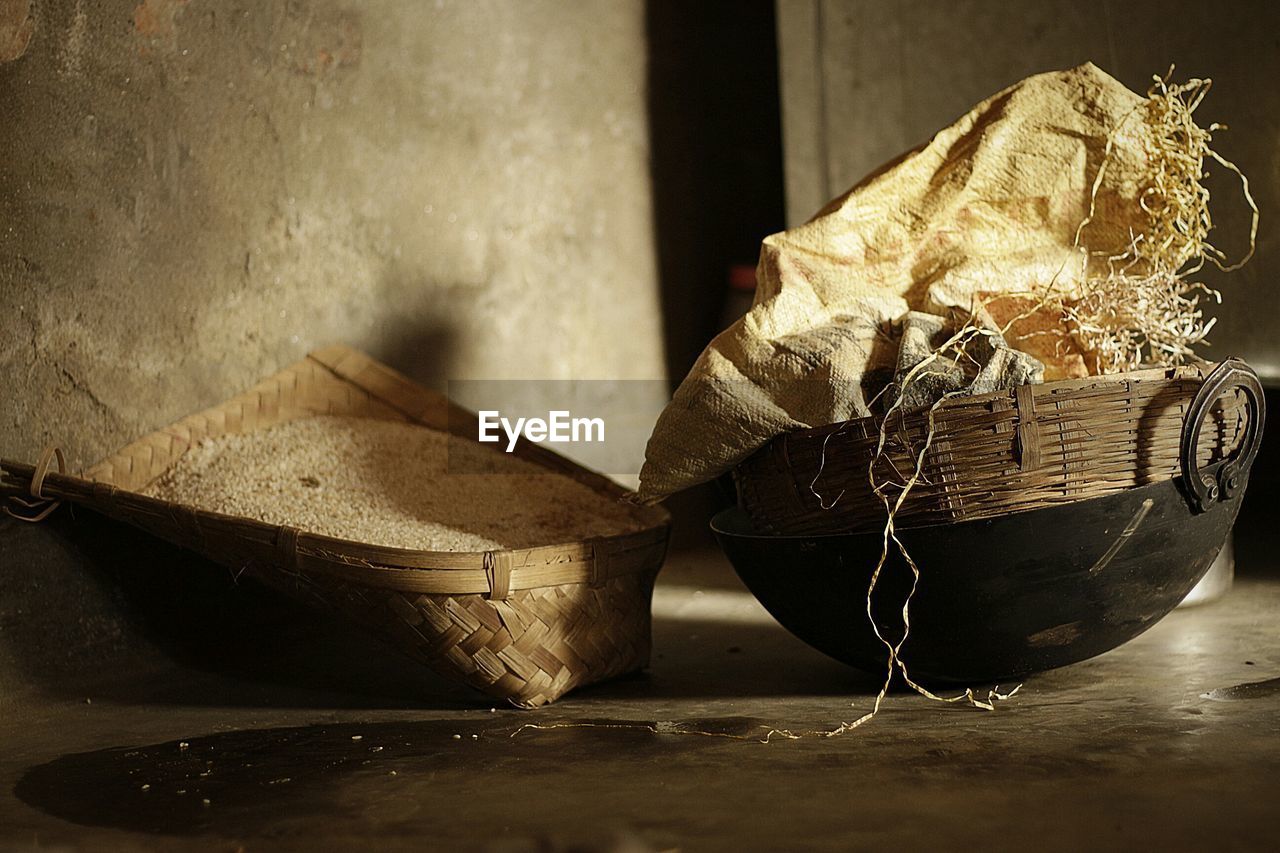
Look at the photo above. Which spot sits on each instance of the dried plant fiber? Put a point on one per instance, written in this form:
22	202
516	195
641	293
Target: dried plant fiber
992	204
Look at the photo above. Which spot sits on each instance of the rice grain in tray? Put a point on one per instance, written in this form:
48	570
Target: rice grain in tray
388	483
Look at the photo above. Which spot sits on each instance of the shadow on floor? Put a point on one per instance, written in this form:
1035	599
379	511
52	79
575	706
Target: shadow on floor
94	608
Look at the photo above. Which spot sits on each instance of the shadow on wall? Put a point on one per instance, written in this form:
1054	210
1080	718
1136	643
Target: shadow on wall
716	164
425	351
1254	530
716	156
420	340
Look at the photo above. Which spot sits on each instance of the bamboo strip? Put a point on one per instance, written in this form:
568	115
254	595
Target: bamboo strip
1095	437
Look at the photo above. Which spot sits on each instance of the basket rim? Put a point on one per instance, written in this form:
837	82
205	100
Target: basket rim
985	456
1057	387
588	560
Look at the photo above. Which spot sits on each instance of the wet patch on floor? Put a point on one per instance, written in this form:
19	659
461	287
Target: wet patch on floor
1248	690
238	784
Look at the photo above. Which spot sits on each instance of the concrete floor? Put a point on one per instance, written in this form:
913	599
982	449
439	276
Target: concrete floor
256	726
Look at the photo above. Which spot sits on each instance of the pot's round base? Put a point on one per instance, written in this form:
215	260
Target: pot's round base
998	598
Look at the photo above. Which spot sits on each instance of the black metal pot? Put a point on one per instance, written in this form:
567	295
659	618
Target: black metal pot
1003	597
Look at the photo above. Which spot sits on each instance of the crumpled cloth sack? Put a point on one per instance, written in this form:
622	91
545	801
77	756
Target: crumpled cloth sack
990	364
991	204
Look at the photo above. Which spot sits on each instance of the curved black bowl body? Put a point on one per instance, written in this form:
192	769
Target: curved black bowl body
998	598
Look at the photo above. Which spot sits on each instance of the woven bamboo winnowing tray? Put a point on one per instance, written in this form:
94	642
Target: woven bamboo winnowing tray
991	454
525	625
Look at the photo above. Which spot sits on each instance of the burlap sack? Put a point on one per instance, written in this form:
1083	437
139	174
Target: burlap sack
991	204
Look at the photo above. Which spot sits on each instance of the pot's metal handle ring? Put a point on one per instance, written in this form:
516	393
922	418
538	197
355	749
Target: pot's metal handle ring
1222	480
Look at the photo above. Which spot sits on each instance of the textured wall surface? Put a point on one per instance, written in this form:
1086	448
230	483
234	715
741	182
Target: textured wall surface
193	194
865	80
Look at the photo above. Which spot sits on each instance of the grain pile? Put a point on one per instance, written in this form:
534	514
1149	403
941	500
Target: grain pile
388	483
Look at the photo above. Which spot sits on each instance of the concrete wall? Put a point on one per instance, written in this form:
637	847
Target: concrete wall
193	194
865	80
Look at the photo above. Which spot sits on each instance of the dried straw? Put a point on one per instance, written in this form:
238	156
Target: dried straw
1142	308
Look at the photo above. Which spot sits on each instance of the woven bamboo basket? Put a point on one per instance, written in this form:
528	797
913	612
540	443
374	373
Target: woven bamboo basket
990	454
525	625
